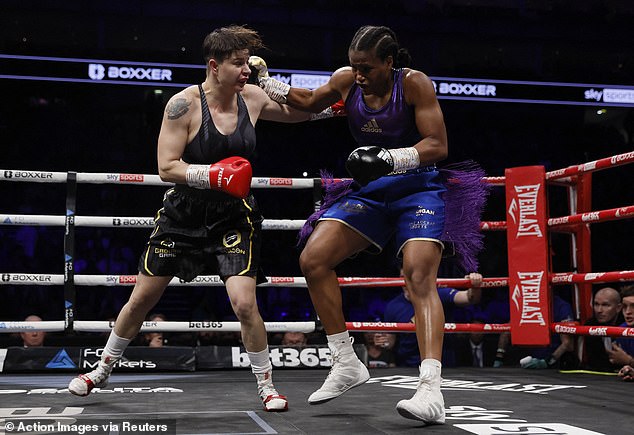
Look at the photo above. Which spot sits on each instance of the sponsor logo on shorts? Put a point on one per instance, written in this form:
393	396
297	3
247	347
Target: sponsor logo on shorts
168	243
165	252
231	239
422	211
418	225
352	207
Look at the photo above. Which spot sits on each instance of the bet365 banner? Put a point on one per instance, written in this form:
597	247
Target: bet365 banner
528	255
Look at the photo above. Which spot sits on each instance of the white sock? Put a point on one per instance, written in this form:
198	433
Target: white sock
341	343
114	348
260	361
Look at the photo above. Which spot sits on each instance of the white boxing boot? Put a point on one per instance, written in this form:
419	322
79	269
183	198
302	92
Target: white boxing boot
347	372
427	405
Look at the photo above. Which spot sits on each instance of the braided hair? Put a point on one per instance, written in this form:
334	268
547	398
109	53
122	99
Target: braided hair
383	40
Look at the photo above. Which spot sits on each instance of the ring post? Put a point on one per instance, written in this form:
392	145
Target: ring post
69	252
528	250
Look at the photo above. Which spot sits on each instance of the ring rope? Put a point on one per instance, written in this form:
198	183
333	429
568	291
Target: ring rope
22	175
148	222
13	278
307	327
596	165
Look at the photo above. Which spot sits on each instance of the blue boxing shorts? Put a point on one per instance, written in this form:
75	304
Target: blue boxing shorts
408	206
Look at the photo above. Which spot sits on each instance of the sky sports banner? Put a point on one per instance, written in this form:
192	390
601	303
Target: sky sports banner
527	245
162	75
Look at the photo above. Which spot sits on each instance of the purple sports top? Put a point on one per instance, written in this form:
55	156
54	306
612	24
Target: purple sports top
391	126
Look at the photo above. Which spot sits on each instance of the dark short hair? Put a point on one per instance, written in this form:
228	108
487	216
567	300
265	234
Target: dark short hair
220	43
627	290
383	40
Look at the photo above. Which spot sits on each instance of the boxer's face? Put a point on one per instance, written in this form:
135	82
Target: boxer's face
234	70
371	73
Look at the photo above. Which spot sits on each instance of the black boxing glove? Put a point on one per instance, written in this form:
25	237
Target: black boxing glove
369	163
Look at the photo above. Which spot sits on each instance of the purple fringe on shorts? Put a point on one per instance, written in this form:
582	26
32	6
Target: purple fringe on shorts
334	190
464	202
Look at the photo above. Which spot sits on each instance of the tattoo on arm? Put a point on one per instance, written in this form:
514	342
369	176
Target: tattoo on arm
177	108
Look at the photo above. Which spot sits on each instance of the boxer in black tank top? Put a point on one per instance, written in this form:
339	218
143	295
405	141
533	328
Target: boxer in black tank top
201	231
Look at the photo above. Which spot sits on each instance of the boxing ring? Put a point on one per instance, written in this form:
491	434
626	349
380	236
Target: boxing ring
480	401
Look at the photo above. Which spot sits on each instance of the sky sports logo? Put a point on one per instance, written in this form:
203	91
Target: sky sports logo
610	95
98	71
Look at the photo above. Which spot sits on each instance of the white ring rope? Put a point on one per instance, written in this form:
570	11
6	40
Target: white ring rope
138	179
12	278
155	180
122	221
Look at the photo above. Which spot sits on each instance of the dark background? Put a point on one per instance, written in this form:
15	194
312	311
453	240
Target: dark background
104	128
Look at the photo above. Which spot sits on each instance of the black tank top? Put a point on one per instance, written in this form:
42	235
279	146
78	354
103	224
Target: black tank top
210	146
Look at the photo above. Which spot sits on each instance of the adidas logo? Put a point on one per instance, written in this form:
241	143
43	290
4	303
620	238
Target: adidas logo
371	127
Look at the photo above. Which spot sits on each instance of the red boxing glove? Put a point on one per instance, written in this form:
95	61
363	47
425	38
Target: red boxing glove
231	175
337	109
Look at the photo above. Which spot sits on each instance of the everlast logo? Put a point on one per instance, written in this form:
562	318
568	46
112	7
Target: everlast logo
525	207
526	297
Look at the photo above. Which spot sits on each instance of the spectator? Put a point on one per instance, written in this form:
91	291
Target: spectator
622	352
33	338
627	373
479	350
400	310
607	312
380	347
560	353
298	339
155	339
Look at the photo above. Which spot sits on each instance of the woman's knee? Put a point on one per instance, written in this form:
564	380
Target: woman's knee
244	309
311	263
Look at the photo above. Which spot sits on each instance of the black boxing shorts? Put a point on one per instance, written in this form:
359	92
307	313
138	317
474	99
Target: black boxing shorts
203	232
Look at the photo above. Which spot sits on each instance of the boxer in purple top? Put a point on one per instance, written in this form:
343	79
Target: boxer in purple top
399	193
